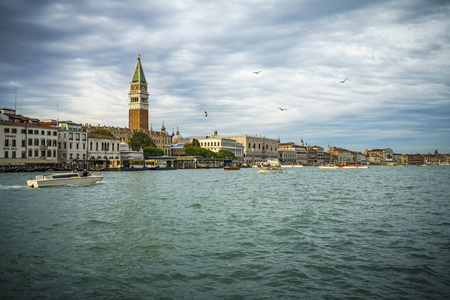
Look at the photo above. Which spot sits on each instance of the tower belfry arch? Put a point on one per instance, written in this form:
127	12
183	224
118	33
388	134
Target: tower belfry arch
138	100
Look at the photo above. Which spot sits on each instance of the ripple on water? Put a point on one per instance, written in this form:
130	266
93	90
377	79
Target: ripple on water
381	233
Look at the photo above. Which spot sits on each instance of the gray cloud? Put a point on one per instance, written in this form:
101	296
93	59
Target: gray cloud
200	56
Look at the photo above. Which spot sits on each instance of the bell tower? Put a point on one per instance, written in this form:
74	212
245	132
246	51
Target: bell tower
138	100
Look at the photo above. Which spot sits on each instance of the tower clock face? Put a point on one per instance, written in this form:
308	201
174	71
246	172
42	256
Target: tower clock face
143	88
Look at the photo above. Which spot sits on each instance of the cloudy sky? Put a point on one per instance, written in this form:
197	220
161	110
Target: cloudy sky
74	60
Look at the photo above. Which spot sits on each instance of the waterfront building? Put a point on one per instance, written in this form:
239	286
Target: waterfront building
415	159
342	155
300	150
287	156
72	143
257	148
380	156
315	155
359	157
138	100
400	158
26	142
178	149
102	148
435	158
216	143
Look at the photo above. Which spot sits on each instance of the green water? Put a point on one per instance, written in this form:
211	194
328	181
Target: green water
382	232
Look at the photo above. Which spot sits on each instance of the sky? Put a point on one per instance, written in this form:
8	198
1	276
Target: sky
74	60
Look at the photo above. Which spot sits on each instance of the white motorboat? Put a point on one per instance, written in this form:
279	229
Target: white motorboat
56	179
328	167
272	166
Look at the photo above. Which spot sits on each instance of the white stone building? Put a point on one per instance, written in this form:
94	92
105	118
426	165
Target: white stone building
257	148
103	147
216	143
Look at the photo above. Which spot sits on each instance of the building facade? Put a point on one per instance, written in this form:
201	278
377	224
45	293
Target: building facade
72	143
257	148
103	147
138	100
216	143
26	141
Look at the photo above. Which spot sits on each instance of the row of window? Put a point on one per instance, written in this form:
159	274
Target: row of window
136	99
104	146
210	144
37	153
77	136
77	145
30	131
37	142
259	147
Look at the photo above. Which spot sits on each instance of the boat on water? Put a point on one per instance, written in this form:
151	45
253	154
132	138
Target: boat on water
292	166
57	179
328	167
272	166
231	168
353	165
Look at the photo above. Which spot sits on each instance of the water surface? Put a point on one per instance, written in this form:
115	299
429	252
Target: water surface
382	232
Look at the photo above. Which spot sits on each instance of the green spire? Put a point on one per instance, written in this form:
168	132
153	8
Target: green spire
138	75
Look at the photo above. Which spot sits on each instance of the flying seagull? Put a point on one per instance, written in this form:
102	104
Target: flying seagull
282	108
257	72
343	81
206	114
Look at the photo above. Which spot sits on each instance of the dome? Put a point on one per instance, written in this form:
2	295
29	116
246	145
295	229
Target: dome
124	147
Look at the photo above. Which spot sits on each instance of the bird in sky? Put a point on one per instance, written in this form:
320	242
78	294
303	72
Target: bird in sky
206	113
282	108
343	81
257	72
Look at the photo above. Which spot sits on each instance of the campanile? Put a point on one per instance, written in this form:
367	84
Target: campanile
138	100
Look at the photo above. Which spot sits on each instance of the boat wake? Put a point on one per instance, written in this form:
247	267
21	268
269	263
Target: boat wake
12	187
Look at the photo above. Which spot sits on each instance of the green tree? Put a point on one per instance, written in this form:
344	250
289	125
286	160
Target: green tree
140	140
152	151
194	143
226	154
199	151
101	132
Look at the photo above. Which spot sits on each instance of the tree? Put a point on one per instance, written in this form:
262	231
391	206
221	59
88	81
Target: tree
152	151
101	132
140	140
199	151
226	154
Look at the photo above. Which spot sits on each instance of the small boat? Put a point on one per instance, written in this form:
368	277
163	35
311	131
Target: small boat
328	167
56	179
353	165
230	168
272	166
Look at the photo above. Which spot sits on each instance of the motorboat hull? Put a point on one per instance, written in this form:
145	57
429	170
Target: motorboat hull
270	170
52	180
